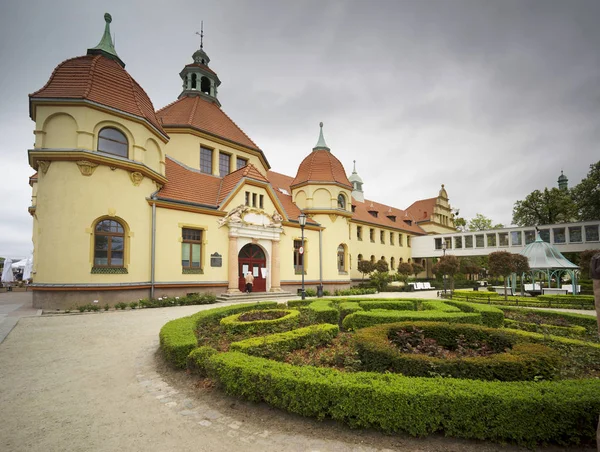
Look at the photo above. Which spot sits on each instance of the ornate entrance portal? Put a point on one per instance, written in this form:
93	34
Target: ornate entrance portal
252	259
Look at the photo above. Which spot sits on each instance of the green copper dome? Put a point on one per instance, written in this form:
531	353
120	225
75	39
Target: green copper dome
105	46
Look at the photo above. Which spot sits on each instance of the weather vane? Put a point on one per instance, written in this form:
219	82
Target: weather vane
201	34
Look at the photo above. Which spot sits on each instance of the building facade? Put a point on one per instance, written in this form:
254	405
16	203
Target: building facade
129	202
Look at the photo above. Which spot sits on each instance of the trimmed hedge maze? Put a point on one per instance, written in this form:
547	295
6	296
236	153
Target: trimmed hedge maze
417	366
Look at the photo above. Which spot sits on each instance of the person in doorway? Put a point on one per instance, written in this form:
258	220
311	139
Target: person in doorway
249	281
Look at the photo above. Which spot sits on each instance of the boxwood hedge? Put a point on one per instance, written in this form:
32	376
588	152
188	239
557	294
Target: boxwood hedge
566	331
490	315
514	359
233	324
178	338
552	317
564	412
362	319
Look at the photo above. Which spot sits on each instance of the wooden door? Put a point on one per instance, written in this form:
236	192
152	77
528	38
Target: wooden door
252	259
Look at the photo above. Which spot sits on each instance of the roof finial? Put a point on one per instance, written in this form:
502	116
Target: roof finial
354	169
105	46
201	34
321	145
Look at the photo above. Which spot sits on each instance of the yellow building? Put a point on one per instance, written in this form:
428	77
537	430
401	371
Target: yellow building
129	202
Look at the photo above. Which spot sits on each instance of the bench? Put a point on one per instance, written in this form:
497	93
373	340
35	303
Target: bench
569	288
553	291
500	290
532	287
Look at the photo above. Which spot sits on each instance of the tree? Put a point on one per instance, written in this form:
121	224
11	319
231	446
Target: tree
382	266
404	270
459	222
380	280
479	223
447	265
586	195
417	268
502	264
469	266
366	267
547	207
521	264
584	263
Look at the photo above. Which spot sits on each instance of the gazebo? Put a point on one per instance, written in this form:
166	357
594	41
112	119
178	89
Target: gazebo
546	261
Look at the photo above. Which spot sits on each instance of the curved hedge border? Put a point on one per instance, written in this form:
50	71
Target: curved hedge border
178	338
233	324
322	311
363	319
587	321
399	305
490	315
276	345
565	412
523	362
566	331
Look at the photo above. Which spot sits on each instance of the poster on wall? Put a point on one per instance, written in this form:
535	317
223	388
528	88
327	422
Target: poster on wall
244	269
255	272
263	272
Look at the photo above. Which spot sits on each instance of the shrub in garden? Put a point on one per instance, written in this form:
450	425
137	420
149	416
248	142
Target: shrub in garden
275	320
121	306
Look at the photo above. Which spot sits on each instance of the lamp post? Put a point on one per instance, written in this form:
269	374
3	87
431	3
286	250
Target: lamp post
444	250
302	221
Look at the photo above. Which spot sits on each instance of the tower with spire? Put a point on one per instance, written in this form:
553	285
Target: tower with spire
357	183
106	47
198	79
563	182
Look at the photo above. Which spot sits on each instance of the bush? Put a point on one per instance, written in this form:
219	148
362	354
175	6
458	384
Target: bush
565	331
512	361
276	346
355	291
490	315
198	358
233	324
364	319
555	318
320	311
347	308
434	305
399	305
178	339
527	413
121	306
310	292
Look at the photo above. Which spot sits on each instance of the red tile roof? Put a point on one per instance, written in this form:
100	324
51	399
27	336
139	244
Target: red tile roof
229	182
100	80
201	66
282	181
189	185
206	116
361	213
422	209
321	166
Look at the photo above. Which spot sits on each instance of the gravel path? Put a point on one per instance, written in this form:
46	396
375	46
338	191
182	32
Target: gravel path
95	382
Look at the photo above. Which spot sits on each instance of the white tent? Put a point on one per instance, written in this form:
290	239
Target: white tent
7	274
28	268
19	265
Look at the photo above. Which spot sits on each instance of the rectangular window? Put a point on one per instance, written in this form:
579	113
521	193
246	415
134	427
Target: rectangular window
591	233
559	235
503	238
359	232
545	235
261	201
253	199
298	258
516	238
479	241
529	237
438	244
206	160
400	240
224	164
382	237
448	243
248	198
575	234
408	241
191	248
372	235
491	239
240	163
468	241
458	242
391	238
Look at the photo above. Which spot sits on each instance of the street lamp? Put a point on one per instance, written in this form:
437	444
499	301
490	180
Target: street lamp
444	246
302	221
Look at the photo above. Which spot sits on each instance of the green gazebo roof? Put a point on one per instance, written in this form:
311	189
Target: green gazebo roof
543	255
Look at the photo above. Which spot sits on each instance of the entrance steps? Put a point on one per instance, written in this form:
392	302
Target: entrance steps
255	296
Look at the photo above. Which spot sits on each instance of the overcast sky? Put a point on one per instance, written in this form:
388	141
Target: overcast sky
490	98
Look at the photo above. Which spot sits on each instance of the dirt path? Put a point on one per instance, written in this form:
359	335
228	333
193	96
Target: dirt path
95	382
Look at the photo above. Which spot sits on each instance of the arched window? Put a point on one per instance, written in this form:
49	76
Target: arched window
341	258
372	259
112	141
401	260
194	81
359	257
392	263
109	244
341	202
205	85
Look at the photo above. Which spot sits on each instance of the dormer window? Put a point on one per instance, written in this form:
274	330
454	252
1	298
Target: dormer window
392	218
113	141
341	202
374	213
408	222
